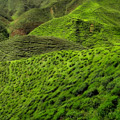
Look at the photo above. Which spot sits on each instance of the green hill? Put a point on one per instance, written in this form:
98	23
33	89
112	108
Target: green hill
76	25
17	7
27	46
34	17
29	14
67	85
29	20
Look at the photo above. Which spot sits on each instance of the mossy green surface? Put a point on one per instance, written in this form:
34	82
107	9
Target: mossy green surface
66	85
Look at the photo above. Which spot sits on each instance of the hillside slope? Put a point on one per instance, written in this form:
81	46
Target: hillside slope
77	25
27	15
27	46
63	85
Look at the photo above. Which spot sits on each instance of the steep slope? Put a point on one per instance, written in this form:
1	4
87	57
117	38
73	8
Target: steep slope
26	46
77	26
63	85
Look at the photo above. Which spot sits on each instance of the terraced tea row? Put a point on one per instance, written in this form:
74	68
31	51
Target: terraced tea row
62	85
27	46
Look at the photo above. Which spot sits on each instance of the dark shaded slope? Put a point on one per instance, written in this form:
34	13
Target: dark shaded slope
67	85
27	46
3	31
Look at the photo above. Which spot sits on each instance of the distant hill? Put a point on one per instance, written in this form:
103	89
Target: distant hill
3	32
29	14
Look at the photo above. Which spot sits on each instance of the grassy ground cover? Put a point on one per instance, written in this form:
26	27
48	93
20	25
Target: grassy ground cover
67	85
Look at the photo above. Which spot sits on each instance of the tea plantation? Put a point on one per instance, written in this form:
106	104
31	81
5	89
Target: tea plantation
67	85
67	68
